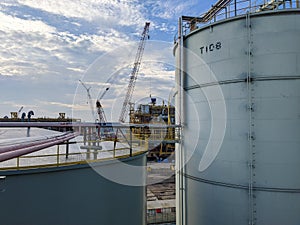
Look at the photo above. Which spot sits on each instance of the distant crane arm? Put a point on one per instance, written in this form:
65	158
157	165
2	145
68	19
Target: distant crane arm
20	110
102	95
89	98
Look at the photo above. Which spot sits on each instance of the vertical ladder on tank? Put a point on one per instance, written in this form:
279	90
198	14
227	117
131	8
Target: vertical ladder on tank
179	157
251	134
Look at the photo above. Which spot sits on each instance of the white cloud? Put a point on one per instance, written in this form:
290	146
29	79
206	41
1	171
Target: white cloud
15	24
51	43
116	12
80	70
31	47
67	105
171	9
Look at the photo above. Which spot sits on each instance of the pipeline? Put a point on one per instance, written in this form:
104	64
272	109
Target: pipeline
28	143
10	152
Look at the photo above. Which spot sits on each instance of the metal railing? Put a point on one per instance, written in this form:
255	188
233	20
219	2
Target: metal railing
233	8
89	149
59	158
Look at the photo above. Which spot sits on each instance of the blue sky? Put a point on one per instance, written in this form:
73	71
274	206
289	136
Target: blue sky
46	46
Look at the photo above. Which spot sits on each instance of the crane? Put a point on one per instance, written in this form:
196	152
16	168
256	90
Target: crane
20	111
108	132
89	98
100	111
134	72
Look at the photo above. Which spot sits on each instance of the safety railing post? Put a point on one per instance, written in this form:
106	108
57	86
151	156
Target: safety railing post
130	142
235	13
84	135
18	163
89	139
67	149
57	156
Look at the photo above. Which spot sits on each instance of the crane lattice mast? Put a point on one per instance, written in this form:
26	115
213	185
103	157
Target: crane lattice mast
134	72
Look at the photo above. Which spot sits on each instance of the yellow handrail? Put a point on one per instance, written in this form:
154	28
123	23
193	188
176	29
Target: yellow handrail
76	161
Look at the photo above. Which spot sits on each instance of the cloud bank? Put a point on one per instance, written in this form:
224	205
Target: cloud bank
46	46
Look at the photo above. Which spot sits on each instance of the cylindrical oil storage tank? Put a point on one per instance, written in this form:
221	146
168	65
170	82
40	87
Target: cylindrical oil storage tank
76	193
240	101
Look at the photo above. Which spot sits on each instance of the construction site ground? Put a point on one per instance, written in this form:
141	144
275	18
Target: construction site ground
161	185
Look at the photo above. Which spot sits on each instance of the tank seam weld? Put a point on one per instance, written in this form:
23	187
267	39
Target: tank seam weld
230	185
241	81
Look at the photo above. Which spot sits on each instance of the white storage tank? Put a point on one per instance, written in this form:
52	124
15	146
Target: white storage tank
241	76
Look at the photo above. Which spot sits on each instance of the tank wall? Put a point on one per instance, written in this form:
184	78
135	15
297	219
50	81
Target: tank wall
70	196
212	197
222	189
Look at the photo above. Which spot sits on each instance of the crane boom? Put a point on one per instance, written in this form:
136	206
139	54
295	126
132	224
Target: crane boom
104	92
134	72
100	111
20	111
89	97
